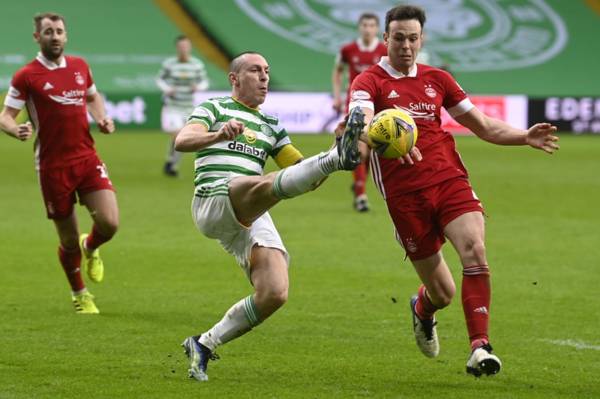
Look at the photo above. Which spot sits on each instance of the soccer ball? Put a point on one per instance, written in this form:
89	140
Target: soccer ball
392	133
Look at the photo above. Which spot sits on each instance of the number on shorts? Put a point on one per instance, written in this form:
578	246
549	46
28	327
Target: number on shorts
103	171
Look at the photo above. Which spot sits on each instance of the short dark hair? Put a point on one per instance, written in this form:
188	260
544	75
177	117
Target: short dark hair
368	15
403	13
236	63
180	38
52	16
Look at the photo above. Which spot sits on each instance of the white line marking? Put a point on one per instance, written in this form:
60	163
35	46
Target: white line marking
572	343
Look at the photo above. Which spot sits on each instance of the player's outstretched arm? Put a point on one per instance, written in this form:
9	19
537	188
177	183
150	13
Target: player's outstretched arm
96	108
195	136
540	136
336	83
9	125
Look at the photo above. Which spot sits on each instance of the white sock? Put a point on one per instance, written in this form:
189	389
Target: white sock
238	320
302	177
173	156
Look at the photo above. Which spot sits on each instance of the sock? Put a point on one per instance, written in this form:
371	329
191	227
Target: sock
476	294
173	156
95	239
238	320
360	179
424	308
302	177
71	263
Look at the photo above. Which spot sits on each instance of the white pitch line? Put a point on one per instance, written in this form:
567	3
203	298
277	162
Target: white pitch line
572	343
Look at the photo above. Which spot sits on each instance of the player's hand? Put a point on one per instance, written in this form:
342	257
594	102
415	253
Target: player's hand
413	155
541	136
24	131
106	125
230	130
337	104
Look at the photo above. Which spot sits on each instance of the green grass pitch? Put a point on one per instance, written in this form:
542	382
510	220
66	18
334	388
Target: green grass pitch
345	332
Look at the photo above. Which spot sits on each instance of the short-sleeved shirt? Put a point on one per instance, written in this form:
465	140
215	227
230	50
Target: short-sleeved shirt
247	153
184	78
55	97
359	57
422	93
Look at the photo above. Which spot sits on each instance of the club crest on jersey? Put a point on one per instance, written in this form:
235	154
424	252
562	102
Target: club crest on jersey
250	136
267	130
79	79
430	91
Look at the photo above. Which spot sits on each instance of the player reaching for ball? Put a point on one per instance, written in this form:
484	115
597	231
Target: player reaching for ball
232	140
427	192
58	91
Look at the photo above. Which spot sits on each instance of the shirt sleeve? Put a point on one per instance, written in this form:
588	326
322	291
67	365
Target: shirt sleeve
363	92
91	86
161	79
341	57
282	140
456	100
17	92
202	81
206	113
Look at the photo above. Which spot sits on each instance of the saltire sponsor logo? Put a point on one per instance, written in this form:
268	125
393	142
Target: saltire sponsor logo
247	149
70	97
419	110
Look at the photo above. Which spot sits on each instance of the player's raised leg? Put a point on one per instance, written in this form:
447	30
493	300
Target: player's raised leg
435	293
467	234
70	259
359	175
269	276
103	208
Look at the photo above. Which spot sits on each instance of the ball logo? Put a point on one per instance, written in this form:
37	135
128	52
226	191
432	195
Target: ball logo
470	35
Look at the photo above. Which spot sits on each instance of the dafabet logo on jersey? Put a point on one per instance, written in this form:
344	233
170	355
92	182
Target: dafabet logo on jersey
470	35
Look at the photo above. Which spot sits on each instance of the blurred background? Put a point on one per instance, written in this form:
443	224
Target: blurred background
521	61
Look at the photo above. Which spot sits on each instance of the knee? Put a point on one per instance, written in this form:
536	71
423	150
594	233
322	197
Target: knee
475	250
443	296
275	297
108	226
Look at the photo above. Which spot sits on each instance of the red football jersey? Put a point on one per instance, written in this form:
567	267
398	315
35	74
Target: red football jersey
55	96
422	93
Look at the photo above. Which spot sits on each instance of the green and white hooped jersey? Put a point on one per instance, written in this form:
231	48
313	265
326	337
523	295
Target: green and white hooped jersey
181	77
244	156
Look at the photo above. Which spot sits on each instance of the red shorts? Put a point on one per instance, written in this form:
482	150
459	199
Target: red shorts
421	216
60	185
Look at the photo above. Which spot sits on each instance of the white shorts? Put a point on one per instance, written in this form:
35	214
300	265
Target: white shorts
173	119
215	218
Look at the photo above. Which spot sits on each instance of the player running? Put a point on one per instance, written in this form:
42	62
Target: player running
58	91
232	139
428	193
179	79
358	56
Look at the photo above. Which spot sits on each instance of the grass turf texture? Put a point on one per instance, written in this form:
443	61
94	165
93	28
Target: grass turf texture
346	329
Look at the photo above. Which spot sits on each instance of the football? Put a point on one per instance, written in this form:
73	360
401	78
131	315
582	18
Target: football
392	133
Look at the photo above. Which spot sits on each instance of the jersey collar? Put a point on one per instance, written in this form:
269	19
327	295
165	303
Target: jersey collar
370	47
49	64
386	66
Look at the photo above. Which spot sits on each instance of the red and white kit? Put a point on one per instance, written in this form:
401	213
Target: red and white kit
55	97
359	58
423	198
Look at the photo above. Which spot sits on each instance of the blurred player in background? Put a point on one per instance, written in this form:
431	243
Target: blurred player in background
179	79
357	56
58	91
232	139
428	193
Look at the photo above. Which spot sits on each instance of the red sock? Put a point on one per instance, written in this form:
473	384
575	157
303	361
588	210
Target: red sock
71	261
424	308
360	179
476	297
95	239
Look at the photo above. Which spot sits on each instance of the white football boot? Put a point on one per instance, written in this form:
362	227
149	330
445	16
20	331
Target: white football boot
425	332
483	361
